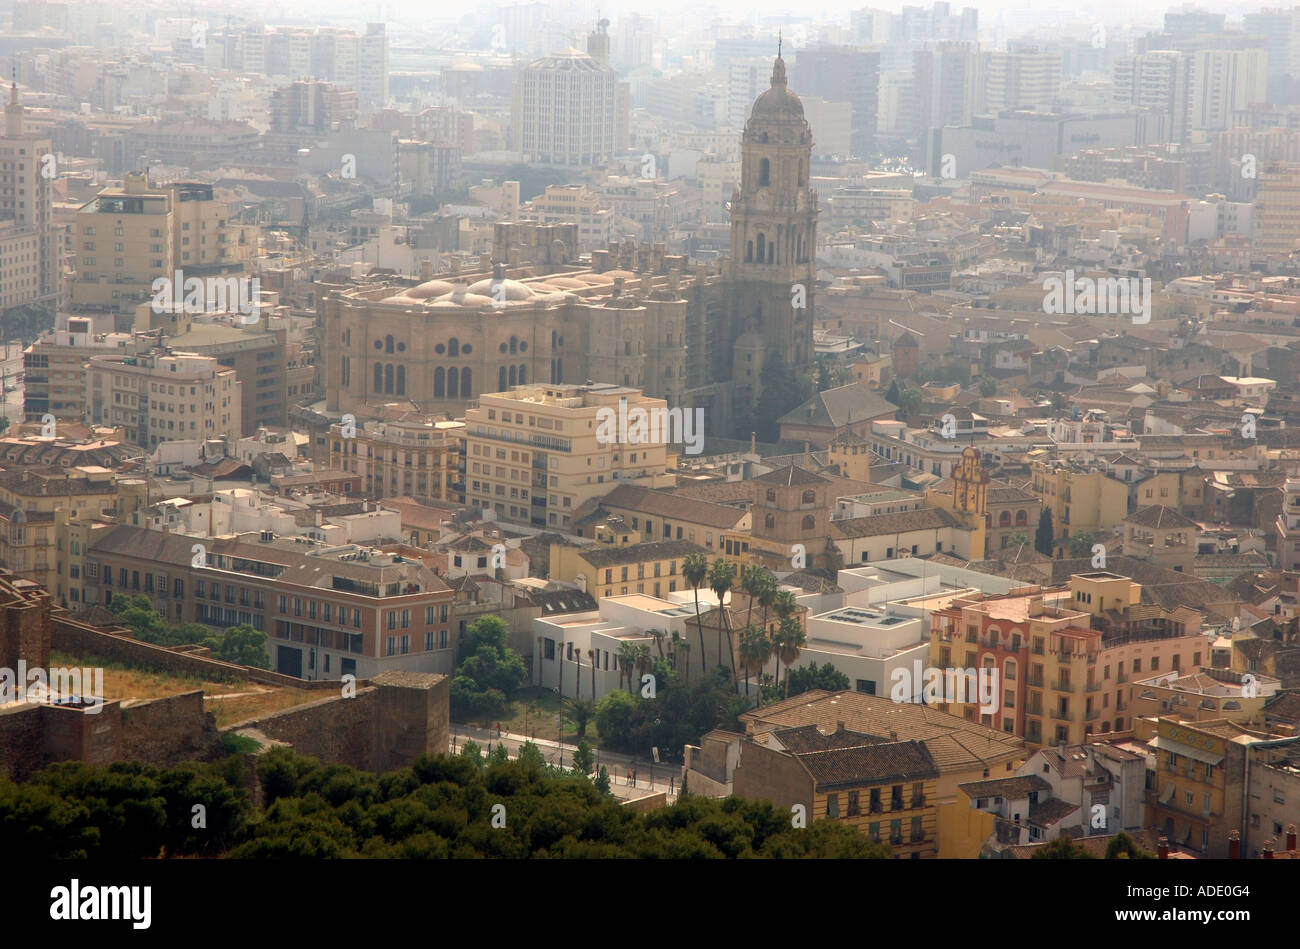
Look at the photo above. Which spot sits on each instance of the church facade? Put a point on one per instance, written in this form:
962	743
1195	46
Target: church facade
532	312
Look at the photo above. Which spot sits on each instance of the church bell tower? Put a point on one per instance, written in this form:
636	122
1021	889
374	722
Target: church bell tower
773	237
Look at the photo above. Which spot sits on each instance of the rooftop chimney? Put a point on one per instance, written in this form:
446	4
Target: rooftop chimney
1163	848
1234	845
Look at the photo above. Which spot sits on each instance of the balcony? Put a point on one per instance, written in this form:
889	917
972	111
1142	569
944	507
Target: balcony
1062	685
918	800
1062	716
1034	681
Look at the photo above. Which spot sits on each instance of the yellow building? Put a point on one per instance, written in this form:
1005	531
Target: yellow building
1079	499
886	790
632	514
416	456
30	497
537	453
962	751
605	570
966	496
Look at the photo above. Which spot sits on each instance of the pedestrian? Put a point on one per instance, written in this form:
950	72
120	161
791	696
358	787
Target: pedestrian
629	777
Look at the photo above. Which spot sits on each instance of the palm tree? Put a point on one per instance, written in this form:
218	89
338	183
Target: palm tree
685	647
577	675
751	581
658	634
694	570
784	606
721	576
591	656
642	659
674	646
755	647
790	639
767	592
626	661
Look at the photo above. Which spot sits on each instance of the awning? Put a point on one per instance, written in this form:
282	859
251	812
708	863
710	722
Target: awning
1168	793
1177	747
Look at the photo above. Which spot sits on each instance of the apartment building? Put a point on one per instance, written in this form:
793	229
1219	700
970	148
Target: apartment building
647	515
329	611
1080	499
122	240
537	453
1277	207
562	204
569	109
1066	660
30	249
31	500
1024	76
53	365
410	456
160	395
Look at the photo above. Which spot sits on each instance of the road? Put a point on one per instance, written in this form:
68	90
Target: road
650	777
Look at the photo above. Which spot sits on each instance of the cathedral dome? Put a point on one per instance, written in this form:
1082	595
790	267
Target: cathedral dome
777	104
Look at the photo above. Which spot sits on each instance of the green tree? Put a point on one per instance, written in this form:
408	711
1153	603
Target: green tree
909	402
988	387
242	645
790	640
1018	540
488	672
894	394
602	780
471	751
1062	848
813	677
584	759
780	390
1045	537
582	711
1124	847
755	650
1081	544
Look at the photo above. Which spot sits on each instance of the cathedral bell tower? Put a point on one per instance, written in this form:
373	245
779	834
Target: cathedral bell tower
773	236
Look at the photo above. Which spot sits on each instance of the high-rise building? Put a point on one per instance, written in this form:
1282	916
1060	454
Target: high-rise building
1025	76
310	106
29	247
372	68
1223	81
1159	80
1281	29
122	242
569	108
843	73
947	85
1277	208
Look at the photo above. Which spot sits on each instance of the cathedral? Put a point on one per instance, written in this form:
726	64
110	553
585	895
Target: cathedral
532	312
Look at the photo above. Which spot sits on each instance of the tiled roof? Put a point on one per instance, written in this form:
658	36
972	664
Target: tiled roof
802	739
600	555
840	406
869	764
954	743
1051	811
790	476
672	505
1013	788
1159	517
927	518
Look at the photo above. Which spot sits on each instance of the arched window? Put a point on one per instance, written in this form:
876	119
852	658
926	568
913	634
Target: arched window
771	495
453	347
439	382
514	376
379	377
800	180
988	520
453	383
764	173
346	374
501	378
771	251
514	344
388	378
769	522
1021	517
809	497
466	384
1004	519
401	380
523	375
388	343
749	251
762	247
809	523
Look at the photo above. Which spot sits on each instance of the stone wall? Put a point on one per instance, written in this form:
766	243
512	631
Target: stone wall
386	725
22	739
24	627
169	730
81	640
